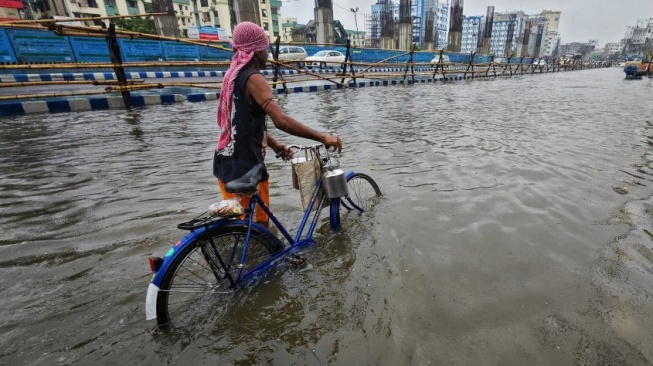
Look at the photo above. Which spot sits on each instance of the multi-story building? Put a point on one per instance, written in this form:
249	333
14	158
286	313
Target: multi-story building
472	29
611	48
357	38
270	11
87	8
10	10
288	26
195	13
419	11
443	24
550	44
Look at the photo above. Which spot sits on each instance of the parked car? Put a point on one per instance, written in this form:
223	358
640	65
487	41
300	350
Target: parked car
436	59
500	60
290	53
324	59
541	62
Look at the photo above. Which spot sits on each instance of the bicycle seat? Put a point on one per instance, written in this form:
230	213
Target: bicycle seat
248	182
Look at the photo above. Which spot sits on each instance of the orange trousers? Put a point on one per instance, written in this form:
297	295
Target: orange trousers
263	192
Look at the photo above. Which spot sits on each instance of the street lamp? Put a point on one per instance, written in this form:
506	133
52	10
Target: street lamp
355	21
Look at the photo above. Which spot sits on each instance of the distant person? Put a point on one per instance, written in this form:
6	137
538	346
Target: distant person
243	137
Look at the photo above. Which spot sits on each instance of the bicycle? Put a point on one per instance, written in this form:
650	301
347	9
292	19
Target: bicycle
220	254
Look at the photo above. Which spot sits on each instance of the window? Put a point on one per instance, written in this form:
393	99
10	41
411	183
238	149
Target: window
266	26
181	7
264	12
110	2
262	1
92	4
204	3
132	4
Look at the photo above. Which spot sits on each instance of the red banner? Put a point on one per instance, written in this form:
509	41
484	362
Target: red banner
11	4
208	36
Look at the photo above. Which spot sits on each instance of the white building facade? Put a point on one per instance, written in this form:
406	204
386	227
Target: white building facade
472	29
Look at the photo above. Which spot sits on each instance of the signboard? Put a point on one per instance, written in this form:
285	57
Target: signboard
210	33
134	50
214	54
175	51
74	23
6	52
222	34
193	32
90	49
40	46
14	4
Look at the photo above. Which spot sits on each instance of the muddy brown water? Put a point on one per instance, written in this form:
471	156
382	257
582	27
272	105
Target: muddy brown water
515	229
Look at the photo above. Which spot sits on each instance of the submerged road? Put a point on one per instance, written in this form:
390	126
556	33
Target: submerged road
515	229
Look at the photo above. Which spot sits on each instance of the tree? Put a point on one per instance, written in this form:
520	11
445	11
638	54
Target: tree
140	25
615	57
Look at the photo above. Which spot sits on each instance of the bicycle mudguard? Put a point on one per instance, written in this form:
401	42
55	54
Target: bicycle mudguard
349	174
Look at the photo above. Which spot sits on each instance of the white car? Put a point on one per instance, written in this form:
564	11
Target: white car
324	59
436	59
290	53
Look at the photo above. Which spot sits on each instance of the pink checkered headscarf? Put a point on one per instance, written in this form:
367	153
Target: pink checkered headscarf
248	38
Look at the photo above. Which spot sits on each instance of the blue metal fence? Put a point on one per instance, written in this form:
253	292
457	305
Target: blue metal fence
40	46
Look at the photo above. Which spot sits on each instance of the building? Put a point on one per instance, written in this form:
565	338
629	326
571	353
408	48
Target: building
443	24
196	13
472	29
507	30
551	44
11	10
611	48
270	11
639	38
357	38
288	26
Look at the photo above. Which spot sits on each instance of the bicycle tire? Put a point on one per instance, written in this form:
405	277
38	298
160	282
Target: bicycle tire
207	276
362	189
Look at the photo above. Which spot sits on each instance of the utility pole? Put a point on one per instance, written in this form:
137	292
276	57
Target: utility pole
244	11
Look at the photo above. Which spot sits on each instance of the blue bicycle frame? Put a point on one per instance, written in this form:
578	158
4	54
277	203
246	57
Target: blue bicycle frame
294	243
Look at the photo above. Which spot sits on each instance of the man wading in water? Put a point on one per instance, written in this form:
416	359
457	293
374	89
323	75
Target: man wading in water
243	138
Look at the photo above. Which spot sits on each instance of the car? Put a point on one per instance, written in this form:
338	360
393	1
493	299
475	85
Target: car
325	58
290	53
500	60
436	59
541	62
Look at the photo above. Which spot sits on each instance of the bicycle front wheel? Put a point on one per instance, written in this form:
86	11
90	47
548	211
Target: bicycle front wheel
363	191
198	274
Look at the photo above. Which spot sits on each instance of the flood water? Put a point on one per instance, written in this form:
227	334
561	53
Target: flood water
515	229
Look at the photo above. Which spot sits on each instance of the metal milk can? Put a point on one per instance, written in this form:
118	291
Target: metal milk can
334	181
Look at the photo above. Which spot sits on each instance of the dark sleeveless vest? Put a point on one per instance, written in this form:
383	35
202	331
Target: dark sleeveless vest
247	133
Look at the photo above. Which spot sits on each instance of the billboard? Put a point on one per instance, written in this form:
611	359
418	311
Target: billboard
14	4
6	52
209	33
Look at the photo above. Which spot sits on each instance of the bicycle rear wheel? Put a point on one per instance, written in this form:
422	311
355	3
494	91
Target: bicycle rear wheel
196	277
362	193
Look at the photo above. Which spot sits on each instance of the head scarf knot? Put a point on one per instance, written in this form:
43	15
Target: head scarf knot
248	38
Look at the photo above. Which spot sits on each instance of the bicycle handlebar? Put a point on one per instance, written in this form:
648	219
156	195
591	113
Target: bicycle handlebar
299	148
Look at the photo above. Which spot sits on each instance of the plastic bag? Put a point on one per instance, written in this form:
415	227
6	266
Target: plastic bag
230	207
308	173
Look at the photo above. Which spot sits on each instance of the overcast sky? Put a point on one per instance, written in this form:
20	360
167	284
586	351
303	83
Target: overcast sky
581	20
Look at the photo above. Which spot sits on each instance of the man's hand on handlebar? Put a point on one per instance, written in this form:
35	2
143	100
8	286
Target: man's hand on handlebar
285	153
333	141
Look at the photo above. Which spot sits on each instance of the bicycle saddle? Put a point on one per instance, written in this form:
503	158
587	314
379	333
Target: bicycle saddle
248	182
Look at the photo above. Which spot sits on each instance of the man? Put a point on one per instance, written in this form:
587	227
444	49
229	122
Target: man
243	138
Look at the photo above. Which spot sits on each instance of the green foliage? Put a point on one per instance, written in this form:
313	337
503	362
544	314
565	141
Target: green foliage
141	25
615	57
